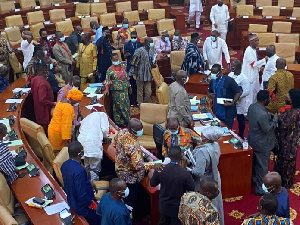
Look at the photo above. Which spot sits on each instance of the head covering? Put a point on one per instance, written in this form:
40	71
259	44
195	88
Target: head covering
252	37
213	133
75	94
194	35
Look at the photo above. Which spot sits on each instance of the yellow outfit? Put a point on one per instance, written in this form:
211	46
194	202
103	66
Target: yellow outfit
60	127
86	61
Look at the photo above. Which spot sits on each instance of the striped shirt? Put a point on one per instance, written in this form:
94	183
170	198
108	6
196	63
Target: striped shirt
7	164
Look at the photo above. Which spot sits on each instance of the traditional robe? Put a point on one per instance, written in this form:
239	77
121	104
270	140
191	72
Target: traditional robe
104	49
193	59
219	15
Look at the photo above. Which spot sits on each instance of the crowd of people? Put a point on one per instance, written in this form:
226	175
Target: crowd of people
190	187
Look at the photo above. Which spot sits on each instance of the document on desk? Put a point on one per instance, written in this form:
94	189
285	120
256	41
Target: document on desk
221	100
13	101
56	208
24	90
92	106
5	121
92	95
15	143
200	129
90	90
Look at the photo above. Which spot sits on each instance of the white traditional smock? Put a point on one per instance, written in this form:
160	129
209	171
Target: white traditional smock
270	69
195	8
219	15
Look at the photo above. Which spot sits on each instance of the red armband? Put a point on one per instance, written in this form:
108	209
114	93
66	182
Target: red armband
93	205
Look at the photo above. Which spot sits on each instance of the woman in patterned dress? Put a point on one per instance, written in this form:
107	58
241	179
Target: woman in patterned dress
288	138
117	84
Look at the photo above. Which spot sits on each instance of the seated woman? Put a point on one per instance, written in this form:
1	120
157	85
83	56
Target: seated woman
60	127
117	83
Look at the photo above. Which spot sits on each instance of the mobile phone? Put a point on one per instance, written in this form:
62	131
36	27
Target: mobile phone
236	142
66	217
38	201
33	170
22	174
48	191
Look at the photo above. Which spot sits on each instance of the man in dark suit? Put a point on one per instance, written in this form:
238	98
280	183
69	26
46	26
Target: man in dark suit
129	49
261	137
174	181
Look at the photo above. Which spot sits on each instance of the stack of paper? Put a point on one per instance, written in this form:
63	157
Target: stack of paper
96	85
194	108
92	95
33	204
223	100
56	208
13	101
24	90
90	90
92	106
202	116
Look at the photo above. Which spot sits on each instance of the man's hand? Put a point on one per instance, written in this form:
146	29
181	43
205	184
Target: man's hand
266	58
159	167
211	95
227	104
216	26
94	187
106	92
207	64
127	54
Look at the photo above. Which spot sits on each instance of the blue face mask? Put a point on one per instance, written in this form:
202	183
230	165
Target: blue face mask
139	133
265	189
167	39
62	39
151	45
126	192
174	132
116	63
212	38
213	76
133	40
176	38
51	66
125	25
40	61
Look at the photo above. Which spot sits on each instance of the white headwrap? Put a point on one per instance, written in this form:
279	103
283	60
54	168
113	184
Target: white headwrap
213	133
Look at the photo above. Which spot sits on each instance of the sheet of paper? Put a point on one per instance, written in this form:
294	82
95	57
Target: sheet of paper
13	152
15	143
92	95
221	100
140	23
206	72
56	208
91	106
5	121
13	101
24	90
200	129
96	85
292	18
90	90
22	167
194	102
200	116
30	201
262	49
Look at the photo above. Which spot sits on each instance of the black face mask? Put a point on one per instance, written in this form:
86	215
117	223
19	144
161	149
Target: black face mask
269	54
44	38
288	102
267	103
220	4
107	35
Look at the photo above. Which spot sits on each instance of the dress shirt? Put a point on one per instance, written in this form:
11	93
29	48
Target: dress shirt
27	49
98	34
270	69
7	164
161	45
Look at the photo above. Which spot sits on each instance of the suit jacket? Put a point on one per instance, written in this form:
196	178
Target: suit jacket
261	128
131	47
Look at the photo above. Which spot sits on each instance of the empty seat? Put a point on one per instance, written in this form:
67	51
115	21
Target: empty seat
35	29
98	8
271	11
257	28
289	38
266	39
108	19
59	1
296	12
35	17
114	35
57	14
157	77
286	3
14	21
140	30
7	6
286	51
27	3
64	26
132	16
165	24
281	27
145	5
156	14
244	10
82	9
44	3
85	22
162	94
48	155
176	60
262	3
123	6
234	4
62	156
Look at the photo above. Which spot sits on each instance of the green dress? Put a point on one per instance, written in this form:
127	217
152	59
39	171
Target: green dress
118	82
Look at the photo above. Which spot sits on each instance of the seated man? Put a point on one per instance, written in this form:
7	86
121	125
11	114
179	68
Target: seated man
124	34
267	207
201	210
163	45
179	43
4	71
79	189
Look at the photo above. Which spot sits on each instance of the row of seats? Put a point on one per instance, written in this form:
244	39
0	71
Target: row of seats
266	39
261	3
247	10
25	4
277	27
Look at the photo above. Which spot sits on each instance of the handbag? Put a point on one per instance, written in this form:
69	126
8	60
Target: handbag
230	25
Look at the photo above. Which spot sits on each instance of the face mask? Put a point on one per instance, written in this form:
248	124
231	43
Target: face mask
269	54
176	38
212	38
107	35
125	26
220	4
45	52
185	80
151	45
285	67
288	102
126	192
116	63
62	39
213	76
51	66
44	38
139	133
174	132
133	40
167	39
265	189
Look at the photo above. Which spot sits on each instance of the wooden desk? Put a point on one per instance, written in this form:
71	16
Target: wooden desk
26	187
195	85
295	70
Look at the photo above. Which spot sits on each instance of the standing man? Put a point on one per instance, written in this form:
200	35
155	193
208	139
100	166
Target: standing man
213	48
42	96
129	49
251	67
130	165
143	60
104	49
45	42
174	181
219	16
97	29
179	43
180	106
63	56
195	9
124	34
112	207
79	189
242	104
27	47
193	60
270	67
222	86
261	137
74	39
163	45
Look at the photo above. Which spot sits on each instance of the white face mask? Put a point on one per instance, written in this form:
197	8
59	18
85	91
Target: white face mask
186	80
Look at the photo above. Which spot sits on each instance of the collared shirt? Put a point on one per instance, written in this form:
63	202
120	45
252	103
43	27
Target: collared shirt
3	84
178	45
27	49
98	34
283	209
197	209
270	69
267	220
161	45
7	164
129	164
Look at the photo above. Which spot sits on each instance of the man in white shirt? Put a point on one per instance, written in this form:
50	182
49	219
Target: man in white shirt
27	47
251	67
195	9
242	104
213	48
270	67
163	45
219	16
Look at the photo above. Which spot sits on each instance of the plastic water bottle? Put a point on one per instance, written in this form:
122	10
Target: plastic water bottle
245	144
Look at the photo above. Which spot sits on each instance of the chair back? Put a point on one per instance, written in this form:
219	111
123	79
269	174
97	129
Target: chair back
289	38
35	17
6	218
157	77
165	24
44	3
132	16
98	8
27	4
158	136
14	36
282	27
57	14
64	26
286	3
296	12
114	35
123	6
286	51
35	29
156	14
140	30
162	94
145	5
176	60
244	10
234	4
48	155
266	39
108	19
271	11
82	9
262	3
15	64
62	156
7	200
257	28
7	6
14	21
85	22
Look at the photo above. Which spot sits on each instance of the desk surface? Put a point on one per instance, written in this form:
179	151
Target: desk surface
26	187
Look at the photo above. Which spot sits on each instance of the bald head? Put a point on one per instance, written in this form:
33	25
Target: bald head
94	24
181	76
76	81
116	184
272	181
173	124
209	187
270	50
78	29
280	63
134	125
